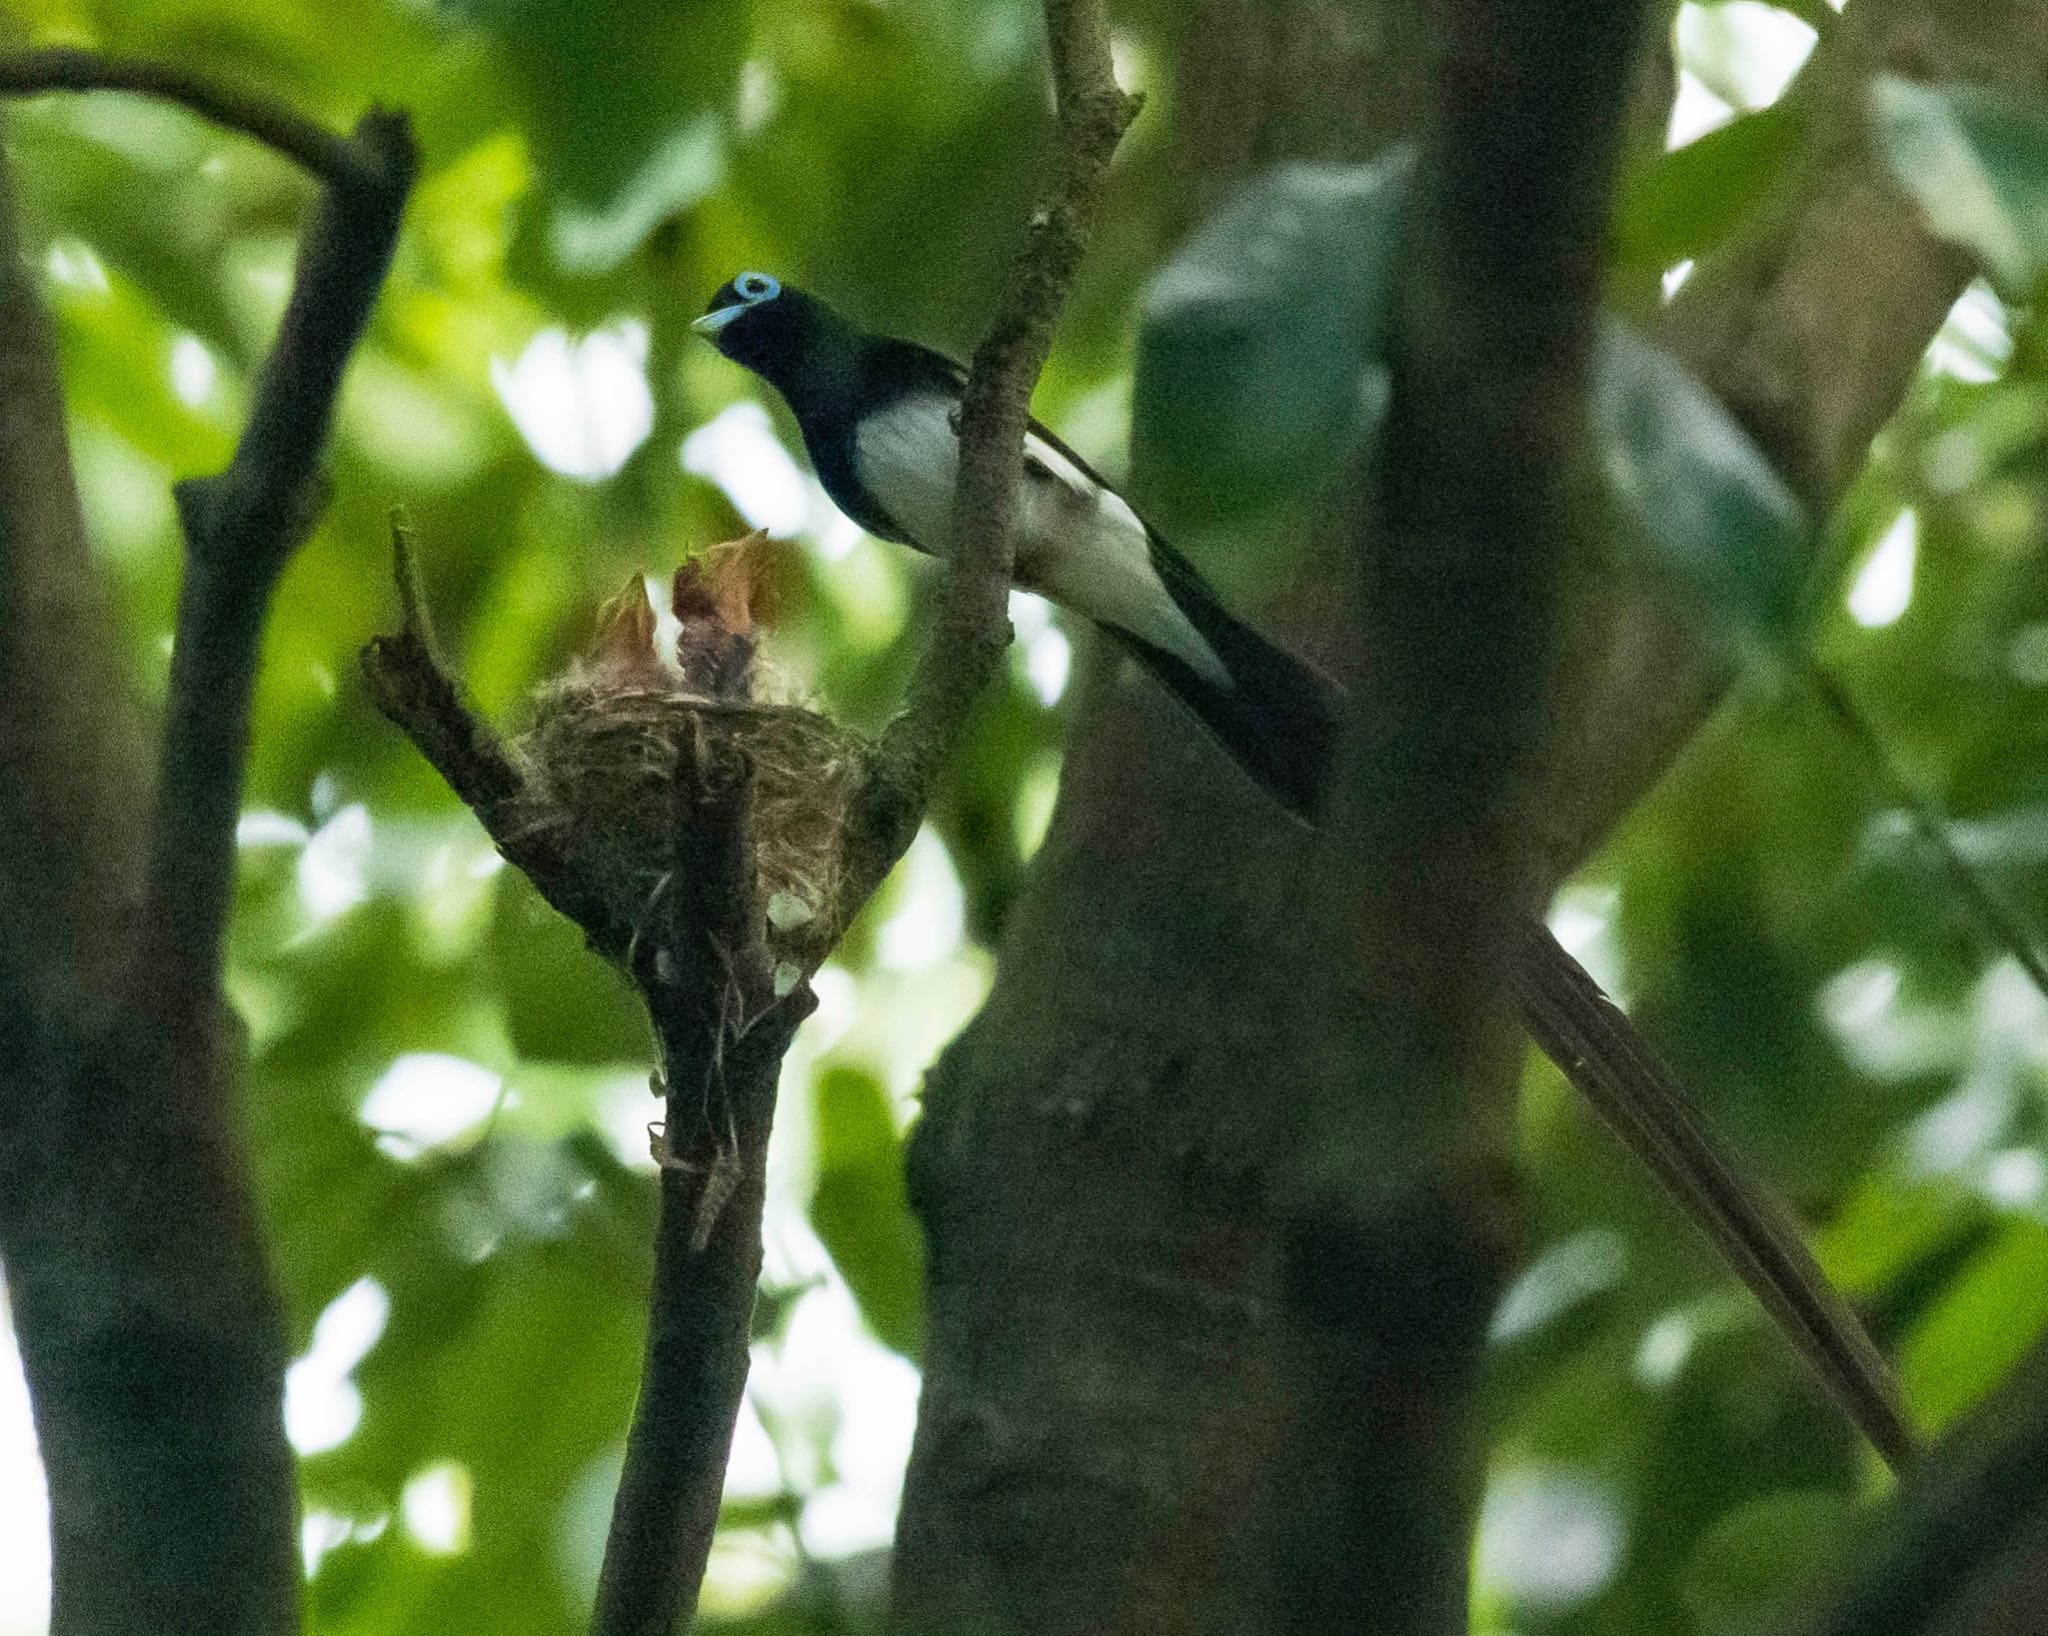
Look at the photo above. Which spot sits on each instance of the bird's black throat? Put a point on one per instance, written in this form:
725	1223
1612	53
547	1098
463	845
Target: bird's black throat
803	349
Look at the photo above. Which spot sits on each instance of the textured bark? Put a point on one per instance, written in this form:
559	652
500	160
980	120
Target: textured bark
1399	1060
1097	1165
721	1082
72	778
151	1340
151	1337
1095	1170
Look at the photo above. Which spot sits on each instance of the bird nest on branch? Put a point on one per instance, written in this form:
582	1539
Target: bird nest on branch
650	763
606	762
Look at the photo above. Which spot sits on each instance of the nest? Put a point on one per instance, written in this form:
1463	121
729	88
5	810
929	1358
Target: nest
603	757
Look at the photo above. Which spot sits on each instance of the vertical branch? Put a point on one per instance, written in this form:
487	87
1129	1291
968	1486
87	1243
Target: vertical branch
241	528
708	982
1402	1231
71	776
149	1328
707	1259
972	628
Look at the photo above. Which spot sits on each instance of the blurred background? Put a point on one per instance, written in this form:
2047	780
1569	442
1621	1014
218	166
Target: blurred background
449	1097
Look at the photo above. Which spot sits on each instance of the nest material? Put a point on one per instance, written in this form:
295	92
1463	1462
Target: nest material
602	758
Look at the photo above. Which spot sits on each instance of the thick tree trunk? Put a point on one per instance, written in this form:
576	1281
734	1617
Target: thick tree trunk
151	1336
1099	1165
149	1331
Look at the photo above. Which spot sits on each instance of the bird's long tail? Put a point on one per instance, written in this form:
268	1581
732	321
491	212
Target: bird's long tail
1277	718
1276	715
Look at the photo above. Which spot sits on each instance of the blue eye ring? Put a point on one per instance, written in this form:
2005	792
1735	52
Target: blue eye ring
754	288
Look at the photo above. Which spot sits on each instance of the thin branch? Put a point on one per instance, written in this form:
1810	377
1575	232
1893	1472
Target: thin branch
241	527
723	1038
1601	1052
972	629
700	973
665	1514
407	680
334	159
1994	919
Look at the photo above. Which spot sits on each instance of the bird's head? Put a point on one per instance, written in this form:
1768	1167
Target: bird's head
790	339
753	320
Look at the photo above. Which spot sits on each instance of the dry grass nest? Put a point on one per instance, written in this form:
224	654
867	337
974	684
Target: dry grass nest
602	756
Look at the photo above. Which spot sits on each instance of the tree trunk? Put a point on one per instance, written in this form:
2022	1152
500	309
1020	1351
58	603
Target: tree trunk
1099	1168
1098	1159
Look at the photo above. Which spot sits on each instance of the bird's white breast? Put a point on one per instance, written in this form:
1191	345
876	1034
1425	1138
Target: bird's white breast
1077	542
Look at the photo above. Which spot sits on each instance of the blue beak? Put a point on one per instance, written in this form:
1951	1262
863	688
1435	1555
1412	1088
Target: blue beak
714	321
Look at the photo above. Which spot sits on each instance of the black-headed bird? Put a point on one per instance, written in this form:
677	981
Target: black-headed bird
880	421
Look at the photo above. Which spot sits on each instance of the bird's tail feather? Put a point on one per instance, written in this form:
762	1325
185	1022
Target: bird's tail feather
1276	716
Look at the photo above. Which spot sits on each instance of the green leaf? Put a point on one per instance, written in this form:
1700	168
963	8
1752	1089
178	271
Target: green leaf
1695	493
1261	355
626	112
562	1003
1987	1320
1686	201
1749	1571
860	1209
683	168
1976	162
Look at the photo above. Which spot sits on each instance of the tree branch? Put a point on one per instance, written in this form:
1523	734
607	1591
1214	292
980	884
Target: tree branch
972	629
150	1332
1400	1234
1964	1548
1811	377
407	680
71	757
333	159
723	1037
241	527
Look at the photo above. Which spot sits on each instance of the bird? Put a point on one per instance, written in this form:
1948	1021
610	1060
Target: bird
879	419
880	416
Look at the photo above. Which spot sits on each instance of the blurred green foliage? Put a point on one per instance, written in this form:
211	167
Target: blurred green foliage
1976	161
1259	373
591	172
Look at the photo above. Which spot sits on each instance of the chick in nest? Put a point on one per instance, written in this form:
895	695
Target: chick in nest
609	739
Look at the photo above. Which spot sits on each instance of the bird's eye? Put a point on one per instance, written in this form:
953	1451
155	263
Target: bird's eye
756	286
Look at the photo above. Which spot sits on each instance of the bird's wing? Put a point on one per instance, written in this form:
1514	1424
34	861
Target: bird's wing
893	367
897	366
